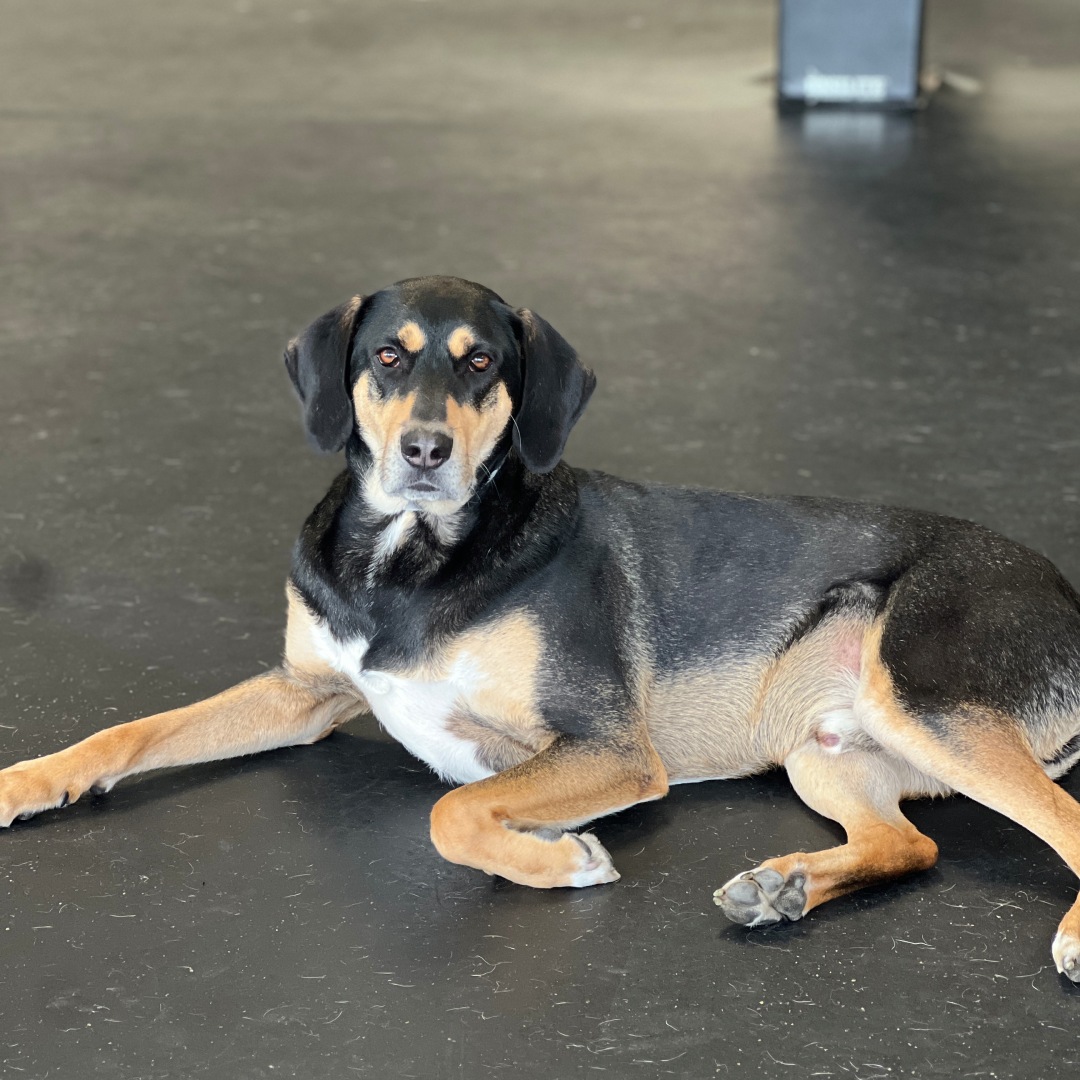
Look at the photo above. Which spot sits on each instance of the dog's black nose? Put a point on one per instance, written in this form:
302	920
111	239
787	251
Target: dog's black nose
426	449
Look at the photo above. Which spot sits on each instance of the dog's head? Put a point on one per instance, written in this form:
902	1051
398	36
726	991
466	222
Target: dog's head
437	376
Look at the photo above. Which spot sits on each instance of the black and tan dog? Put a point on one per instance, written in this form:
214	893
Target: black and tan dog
564	644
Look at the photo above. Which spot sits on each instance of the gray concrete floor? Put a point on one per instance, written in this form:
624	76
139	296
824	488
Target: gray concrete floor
868	308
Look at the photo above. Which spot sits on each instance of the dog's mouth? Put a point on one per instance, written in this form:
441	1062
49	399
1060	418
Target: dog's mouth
392	490
425	494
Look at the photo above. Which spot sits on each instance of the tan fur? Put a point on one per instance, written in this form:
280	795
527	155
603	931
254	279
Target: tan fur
510	651
380	419
744	716
461	340
702	721
477	431
301	657
489	825
411	337
304	666
528	322
351	308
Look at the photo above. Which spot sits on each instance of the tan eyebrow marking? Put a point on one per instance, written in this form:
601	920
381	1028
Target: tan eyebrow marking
412	337
461	341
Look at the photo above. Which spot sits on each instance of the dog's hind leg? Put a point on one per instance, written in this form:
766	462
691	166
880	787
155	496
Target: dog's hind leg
987	758
973	675
861	789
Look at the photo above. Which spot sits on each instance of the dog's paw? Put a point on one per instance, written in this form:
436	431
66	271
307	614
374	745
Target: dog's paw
30	787
762	896
1066	952
596	866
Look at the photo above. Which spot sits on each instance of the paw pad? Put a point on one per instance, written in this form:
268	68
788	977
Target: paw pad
763	896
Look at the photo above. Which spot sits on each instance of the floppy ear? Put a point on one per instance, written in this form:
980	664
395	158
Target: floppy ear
317	361
556	388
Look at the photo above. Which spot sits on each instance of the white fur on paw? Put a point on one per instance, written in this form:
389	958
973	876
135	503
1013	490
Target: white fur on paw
1066	951
762	896
596	866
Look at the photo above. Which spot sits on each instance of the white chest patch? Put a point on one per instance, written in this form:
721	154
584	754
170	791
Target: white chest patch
413	711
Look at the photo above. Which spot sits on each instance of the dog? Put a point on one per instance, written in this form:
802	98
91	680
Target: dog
563	644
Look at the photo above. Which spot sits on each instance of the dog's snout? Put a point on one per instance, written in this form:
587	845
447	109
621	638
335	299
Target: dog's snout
426	449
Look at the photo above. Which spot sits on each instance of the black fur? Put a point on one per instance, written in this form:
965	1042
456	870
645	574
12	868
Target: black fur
556	389
316	363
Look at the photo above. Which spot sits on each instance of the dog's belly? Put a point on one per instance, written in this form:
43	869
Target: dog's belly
702	722
738	717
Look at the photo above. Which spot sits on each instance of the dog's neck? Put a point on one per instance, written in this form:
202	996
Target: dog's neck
392	578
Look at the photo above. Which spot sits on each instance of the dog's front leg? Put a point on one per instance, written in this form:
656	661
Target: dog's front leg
299	702
516	824
280	708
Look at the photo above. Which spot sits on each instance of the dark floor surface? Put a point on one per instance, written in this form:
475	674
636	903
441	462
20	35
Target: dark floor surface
852	305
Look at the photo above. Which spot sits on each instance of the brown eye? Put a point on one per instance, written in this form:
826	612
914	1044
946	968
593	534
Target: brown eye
480	362
387	357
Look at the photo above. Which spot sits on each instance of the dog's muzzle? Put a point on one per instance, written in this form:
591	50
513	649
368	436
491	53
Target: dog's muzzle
419	473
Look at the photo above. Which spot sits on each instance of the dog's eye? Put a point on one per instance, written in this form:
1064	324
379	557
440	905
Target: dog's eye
480	362
387	357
